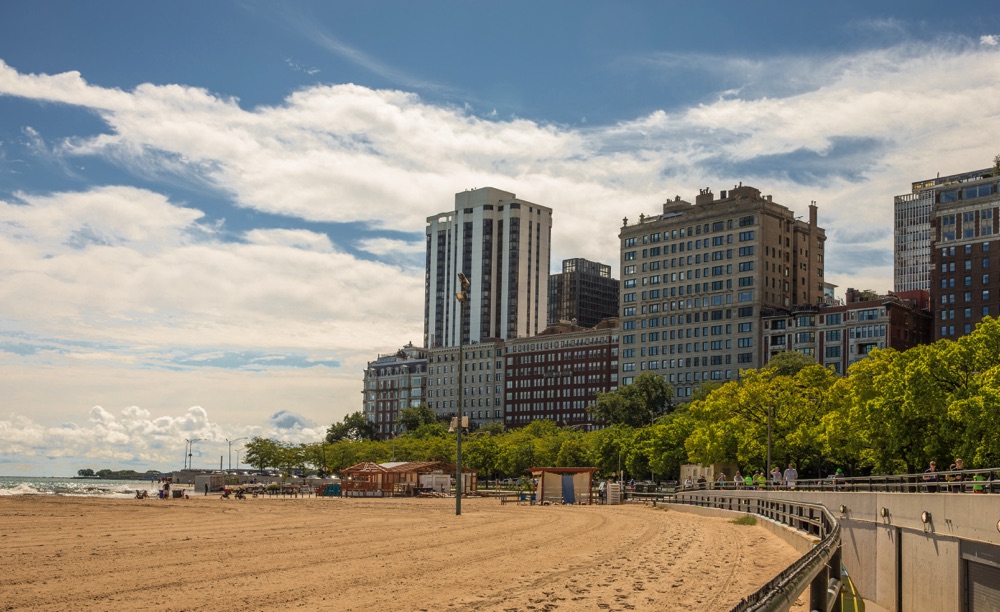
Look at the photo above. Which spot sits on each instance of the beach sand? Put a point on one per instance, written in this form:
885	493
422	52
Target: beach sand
208	553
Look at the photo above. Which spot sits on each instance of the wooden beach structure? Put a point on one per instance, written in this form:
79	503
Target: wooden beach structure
403	478
564	485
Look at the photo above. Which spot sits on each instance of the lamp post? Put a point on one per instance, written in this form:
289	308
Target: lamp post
463	298
768	440
190	451
231	452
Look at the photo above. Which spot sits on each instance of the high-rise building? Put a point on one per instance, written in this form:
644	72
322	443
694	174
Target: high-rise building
502	244
912	229
697	278
583	292
964	262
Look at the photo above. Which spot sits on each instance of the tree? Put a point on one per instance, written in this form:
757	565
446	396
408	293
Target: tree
263	453
413	417
789	363
867	295
354	427
86	472
636	405
996	166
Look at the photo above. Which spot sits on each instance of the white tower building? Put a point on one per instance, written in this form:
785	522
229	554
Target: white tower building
502	244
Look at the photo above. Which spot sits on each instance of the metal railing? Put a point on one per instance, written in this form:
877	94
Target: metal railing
980	481
819	569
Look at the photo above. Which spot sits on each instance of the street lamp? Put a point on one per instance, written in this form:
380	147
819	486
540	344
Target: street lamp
231	452
463	299
190	451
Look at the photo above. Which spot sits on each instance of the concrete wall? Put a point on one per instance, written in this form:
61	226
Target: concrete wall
898	561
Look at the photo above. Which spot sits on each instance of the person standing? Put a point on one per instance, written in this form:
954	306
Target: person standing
738	480
931	476
206	488
958	476
776	477
791	475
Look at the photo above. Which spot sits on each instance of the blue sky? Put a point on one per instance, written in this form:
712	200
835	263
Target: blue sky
211	214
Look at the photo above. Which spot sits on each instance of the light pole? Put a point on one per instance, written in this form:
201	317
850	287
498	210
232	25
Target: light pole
231	452
768	440
190	451
463	298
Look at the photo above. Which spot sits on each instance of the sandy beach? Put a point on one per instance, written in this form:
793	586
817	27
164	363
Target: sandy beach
207	553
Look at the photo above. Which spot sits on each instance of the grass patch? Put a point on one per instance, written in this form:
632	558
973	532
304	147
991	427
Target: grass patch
746	519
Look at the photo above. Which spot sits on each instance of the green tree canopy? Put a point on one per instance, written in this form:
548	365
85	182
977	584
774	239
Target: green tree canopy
354	427
413	417
640	403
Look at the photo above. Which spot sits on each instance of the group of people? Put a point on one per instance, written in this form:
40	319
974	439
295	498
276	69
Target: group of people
759	480
932	478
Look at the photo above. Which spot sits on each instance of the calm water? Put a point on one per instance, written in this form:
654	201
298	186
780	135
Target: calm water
82	487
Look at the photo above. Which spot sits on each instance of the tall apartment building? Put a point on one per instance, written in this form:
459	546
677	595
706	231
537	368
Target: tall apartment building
583	292
837	336
393	382
964	274
502	244
557	374
912	229
697	278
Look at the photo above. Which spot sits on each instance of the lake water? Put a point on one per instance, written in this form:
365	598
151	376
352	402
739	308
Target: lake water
81	487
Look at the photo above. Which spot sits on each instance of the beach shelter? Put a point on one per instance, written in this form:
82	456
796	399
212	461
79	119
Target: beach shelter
567	485
365	479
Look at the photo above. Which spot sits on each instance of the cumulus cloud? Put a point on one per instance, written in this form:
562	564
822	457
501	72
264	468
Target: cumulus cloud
134	436
389	246
286	419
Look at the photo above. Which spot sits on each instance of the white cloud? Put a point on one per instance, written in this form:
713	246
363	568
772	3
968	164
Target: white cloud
133	439
388	246
989	40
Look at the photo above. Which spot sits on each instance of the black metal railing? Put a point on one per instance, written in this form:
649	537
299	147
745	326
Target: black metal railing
819	569
979	481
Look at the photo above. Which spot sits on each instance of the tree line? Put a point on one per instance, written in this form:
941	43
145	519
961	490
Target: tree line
893	412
